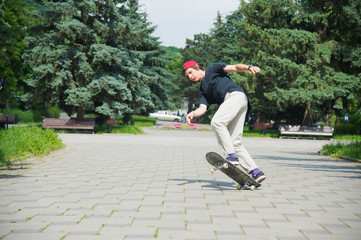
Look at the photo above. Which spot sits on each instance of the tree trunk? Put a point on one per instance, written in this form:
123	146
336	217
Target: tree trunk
127	117
80	113
308	116
7	106
190	105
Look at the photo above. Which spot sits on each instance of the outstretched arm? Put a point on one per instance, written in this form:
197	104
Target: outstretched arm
202	109
241	68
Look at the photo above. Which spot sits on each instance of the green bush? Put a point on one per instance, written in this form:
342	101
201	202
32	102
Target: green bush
18	142
54	112
140	121
37	115
22	116
34	115
347	128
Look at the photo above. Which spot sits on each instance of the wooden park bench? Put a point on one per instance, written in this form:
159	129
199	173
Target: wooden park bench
9	119
309	131
263	126
70	124
110	124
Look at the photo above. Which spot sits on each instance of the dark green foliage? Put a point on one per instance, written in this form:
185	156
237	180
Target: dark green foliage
347	128
99	57
28	116
309	53
23	116
13	21
96	56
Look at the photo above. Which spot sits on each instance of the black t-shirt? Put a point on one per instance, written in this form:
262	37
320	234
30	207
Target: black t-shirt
216	84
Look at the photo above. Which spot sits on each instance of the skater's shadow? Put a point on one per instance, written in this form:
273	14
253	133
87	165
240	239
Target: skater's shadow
219	185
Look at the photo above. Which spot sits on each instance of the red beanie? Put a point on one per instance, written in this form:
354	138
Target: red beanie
187	65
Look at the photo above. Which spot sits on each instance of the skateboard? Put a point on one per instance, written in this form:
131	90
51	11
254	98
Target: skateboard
244	180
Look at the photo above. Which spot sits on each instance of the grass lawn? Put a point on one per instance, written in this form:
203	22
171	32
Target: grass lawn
257	133
18	142
139	122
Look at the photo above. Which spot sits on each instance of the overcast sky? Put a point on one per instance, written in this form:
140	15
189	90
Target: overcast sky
177	20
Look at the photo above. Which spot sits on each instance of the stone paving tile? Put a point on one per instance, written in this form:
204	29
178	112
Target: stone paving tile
158	186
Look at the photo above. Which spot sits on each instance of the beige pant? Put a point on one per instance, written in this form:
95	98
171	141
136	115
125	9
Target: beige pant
228	124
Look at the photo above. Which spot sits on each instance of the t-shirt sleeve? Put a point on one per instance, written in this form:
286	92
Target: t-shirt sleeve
203	99
218	67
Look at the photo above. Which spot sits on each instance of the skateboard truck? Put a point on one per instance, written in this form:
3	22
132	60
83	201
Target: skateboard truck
239	186
246	187
244	180
224	166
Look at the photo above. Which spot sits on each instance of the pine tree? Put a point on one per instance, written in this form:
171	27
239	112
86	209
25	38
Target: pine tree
333	77
88	56
200	51
302	51
150	91
13	29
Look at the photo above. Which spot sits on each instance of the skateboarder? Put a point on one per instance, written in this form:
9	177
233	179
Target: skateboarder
218	88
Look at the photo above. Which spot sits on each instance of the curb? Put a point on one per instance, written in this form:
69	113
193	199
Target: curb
338	156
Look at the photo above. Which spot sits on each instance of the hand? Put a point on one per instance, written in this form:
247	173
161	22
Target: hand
254	70
190	117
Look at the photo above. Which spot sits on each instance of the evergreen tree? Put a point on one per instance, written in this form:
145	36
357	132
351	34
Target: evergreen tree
302	52
150	89
177	92
198	50
331	78
96	56
13	29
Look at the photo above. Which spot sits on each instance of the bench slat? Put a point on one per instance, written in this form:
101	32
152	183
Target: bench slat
306	133
263	125
68	127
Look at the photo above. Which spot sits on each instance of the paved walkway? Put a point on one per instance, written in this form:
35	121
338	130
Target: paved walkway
159	186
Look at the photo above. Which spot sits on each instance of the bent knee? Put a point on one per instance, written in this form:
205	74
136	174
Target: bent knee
217	124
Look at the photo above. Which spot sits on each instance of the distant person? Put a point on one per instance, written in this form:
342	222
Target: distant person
1	82
228	122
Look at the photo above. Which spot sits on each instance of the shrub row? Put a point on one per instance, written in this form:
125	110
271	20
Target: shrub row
347	128
34	115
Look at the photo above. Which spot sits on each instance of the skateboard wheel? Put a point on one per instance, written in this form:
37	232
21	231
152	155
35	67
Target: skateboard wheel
212	170
253	188
239	187
225	165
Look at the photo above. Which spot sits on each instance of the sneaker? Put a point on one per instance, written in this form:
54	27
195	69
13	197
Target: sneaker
233	160
259	177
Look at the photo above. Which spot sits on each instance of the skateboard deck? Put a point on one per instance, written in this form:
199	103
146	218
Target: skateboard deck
244	180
